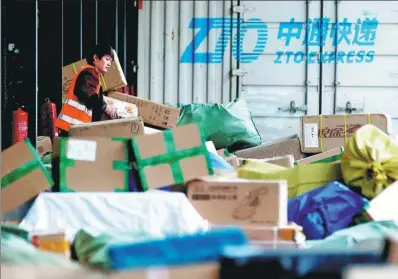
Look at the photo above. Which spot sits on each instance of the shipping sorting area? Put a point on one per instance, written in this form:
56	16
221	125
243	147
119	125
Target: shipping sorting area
200	154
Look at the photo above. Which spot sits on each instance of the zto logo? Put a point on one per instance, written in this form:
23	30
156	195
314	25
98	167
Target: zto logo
227	25
318	32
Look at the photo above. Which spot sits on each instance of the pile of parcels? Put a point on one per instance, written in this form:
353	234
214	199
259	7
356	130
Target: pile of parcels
194	193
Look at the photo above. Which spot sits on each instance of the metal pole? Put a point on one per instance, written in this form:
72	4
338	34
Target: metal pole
116	26
96	22
81	29
36	70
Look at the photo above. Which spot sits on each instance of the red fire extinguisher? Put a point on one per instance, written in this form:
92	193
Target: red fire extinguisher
19	125
48	117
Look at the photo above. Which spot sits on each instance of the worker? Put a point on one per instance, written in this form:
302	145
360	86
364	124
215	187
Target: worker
84	102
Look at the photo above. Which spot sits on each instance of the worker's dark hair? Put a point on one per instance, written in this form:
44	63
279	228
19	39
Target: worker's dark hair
100	50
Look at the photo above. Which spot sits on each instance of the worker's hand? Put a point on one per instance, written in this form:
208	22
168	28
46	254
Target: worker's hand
111	112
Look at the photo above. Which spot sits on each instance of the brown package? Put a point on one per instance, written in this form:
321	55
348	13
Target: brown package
329	156
44	145
285	146
336	129
284	161
154	114
124	128
180	155
193	271
112	80
18	187
92	164
123	109
234	201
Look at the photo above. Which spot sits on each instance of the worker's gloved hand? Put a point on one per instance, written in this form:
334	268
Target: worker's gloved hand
111	112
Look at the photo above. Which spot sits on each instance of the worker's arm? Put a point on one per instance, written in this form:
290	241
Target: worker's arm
85	91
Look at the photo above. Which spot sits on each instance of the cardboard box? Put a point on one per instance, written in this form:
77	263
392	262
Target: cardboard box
284	161
234	201
112	80
93	164
290	232
194	271
171	157
384	206
154	114
23	176
329	156
336	129
44	145
233	161
392	249
124	109
150	131
285	146
124	128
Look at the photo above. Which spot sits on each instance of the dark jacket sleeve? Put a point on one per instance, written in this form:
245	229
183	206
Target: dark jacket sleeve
85	91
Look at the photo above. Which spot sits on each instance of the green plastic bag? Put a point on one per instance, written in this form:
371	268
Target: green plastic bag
228	126
93	250
370	161
353	236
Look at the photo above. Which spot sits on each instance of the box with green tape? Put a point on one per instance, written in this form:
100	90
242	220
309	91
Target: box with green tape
171	157
23	176
92	164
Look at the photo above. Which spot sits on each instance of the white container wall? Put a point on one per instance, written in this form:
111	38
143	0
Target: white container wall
167	50
253	49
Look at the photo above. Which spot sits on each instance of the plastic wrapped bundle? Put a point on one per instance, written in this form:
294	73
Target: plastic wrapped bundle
175	250
370	161
325	210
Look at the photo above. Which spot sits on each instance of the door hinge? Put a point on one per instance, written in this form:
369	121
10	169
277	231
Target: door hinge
239	72
241	9
292	109
348	109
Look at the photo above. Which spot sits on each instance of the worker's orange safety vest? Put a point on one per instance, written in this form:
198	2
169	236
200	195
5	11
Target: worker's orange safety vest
74	112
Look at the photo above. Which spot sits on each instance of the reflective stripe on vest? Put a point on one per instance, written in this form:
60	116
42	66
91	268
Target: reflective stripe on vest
70	120
78	106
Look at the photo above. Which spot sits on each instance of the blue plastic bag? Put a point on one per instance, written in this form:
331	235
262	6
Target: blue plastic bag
325	210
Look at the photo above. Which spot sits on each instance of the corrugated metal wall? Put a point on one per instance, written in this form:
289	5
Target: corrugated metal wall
39	37
166	29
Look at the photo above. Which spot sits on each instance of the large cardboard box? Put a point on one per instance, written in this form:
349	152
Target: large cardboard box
171	157
329	156
23	176
154	114
112	80
123	109
320	133
125	128
233	201
44	145
92	164
285	146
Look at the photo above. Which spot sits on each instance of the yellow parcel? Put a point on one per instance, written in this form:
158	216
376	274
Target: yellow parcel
370	160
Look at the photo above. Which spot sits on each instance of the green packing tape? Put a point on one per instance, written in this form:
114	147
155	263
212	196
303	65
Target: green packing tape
26	168
123	166
65	163
173	158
